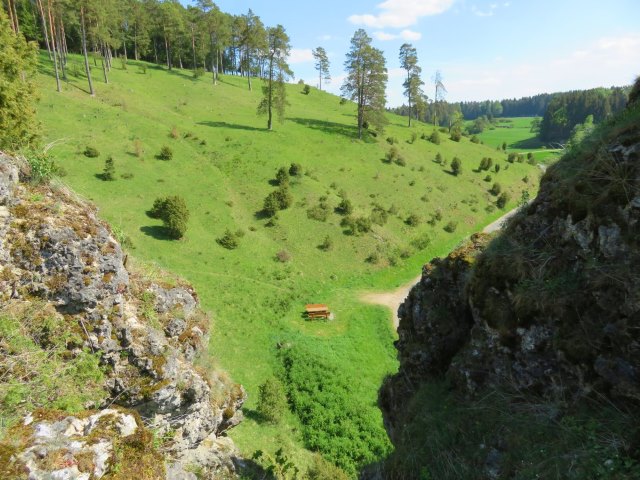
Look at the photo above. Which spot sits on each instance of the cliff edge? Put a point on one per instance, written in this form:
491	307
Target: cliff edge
97	374
520	354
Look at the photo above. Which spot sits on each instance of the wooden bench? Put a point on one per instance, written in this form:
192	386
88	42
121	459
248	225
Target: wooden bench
317	310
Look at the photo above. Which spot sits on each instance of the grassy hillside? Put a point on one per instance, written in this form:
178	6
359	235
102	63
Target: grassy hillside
516	132
224	160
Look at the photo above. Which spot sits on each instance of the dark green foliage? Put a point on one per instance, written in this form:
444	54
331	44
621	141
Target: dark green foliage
496	189
435	137
295	170
344	207
502	200
323	470
392	140
282	176
334	421
165	153
504	146
327	244
456	135
277	467
438	158
414	137
109	172
413	220
279	199
486	163
488	178
91	152
228	240
379	215
174	214
306	89
18	125
456	166
475	139
634	95
42	166
451	227
496	167
272	400
356	225
319	212
400	161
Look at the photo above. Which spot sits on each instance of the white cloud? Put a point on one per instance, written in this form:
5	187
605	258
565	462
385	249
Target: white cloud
325	37
407	35
401	13
605	62
300	55
486	13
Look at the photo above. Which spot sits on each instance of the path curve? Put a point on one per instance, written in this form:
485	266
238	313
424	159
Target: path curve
394	298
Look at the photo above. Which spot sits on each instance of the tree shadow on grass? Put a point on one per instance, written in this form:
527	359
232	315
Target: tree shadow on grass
234	126
156	231
332	128
528	143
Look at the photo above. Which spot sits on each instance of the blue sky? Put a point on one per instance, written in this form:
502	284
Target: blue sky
484	49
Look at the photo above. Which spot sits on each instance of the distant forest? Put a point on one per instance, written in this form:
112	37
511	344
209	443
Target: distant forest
560	112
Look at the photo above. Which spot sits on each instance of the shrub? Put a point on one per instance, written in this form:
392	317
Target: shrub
142	69
487	178
413	220
456	135
363	225
272	400
91	152
435	137
456	166
504	146
198	72
282	176
529	156
175	216
42	167
421	243
475	139
173	133
502	200
496	189
295	170
109	172
512	157
157	210
373	258
327	244
343	101
438	158
451	227
283	256
344	207
400	161
486	163
319	212
496	168
321	469
165	153
414	137
306	89
228	240
391	155
379	216
392	140
279	199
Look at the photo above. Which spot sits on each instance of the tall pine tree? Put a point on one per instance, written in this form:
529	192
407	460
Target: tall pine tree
277	72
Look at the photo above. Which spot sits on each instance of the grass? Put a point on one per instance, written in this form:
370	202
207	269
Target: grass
223	162
516	132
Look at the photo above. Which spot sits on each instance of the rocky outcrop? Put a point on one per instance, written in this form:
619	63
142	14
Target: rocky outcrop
54	249
549	309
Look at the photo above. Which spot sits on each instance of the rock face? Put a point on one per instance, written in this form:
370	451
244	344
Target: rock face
53	249
551	307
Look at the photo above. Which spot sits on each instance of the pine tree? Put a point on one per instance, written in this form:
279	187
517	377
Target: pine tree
413	83
276	74
366	81
322	65
18	125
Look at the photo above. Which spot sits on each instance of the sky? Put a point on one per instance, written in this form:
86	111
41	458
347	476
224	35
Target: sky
484	49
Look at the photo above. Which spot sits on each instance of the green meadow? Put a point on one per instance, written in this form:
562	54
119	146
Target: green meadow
224	164
516	132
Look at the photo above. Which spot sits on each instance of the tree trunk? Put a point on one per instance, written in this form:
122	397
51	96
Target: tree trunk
124	47
135	42
61	54
269	121
84	52
193	47
44	28
180	61
249	76
13	18
104	67
53	41
168	54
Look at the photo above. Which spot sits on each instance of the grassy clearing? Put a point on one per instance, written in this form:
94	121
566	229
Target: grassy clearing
516	132
223	162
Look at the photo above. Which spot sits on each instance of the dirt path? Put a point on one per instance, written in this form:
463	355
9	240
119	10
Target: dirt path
394	298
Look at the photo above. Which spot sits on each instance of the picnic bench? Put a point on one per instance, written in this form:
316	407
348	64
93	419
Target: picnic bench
317	310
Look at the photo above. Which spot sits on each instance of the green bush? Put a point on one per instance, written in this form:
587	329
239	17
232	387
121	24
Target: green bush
392	140
282	176
327	244
488	178
109	172
438	158
91	152
451	227
42	166
413	220
228	240
435	137
475	139
400	161
279	199
319	212
158	207
502	200
496	189
456	166
496	168
456	135
165	153
175	216
344	207
295	170
392	155
414	137
379	215
306	89
272	400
